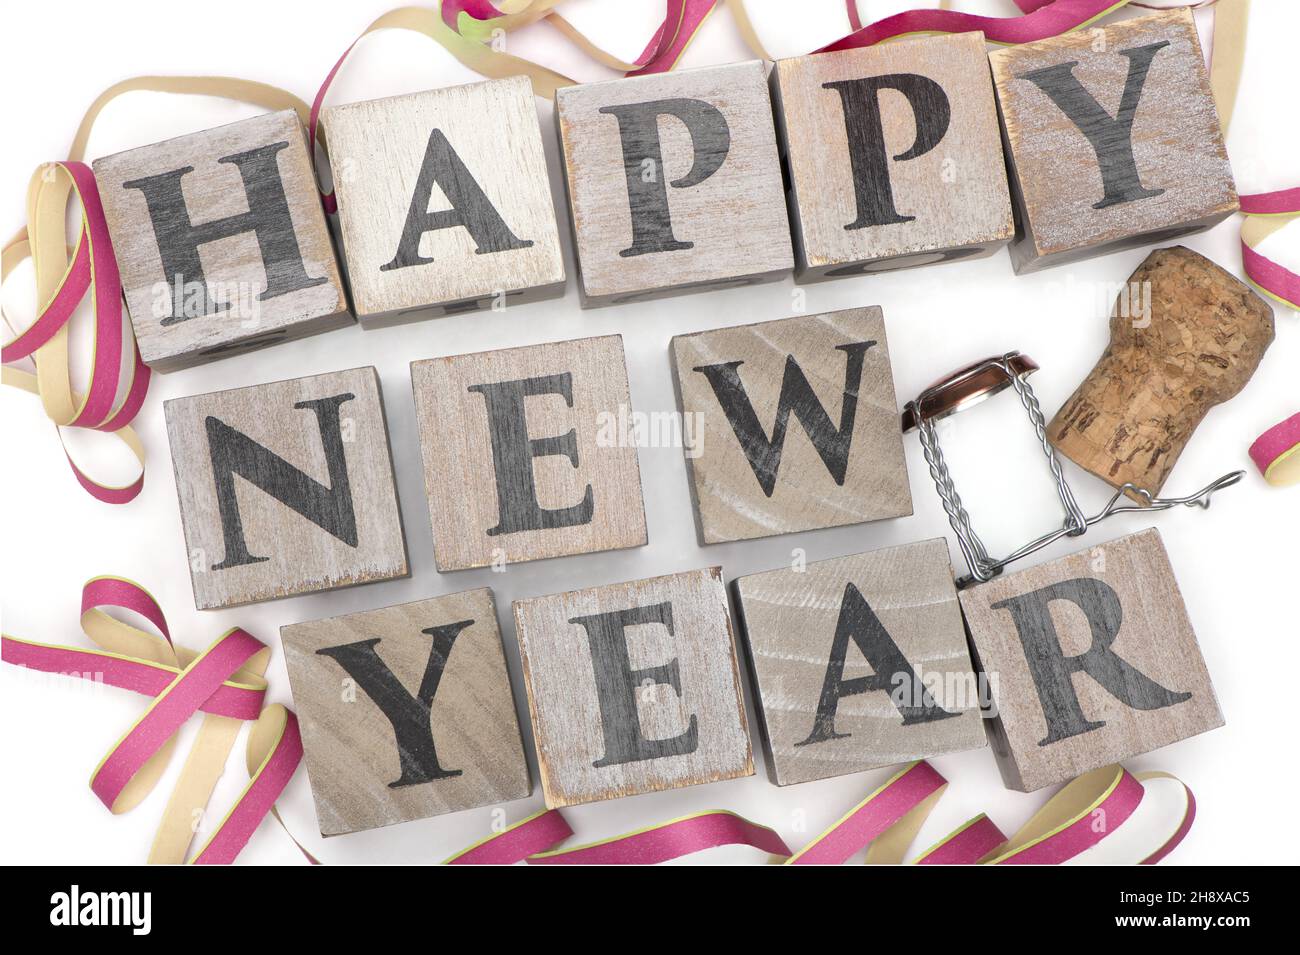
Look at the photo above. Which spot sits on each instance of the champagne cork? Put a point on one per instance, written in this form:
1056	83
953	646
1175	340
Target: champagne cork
1184	336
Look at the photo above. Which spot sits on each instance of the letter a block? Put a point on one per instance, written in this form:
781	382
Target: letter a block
894	155
1113	139
522	455
286	488
221	241
860	662
674	183
444	201
793	425
406	712
633	687
1091	659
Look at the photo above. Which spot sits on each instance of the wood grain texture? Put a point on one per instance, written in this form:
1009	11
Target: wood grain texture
1184	336
953	193
665	681
1092	659
1174	180
826	374
351	743
474	144
259	167
802	624
487	490
286	488
719	186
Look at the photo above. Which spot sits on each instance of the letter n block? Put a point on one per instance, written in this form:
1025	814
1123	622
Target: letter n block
525	453
860	662
633	687
894	155
444	201
791	425
221	241
286	488
406	712
1091	659
674	183
1113	139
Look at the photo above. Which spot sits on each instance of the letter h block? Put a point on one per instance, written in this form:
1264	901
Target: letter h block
633	687
674	183
286	488
406	712
860	662
894	156
221	241
529	453
1113	139
444	201
1091	659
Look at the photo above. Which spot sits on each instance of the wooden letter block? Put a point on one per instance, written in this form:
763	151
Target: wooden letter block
894	155
1091	660
674	183
832	453
314	506
521	456
221	241
444	201
406	712
860	662
1184	336
1113	139
633	687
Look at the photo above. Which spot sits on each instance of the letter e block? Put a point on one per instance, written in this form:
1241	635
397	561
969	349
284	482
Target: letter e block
444	201
406	712
286	488
674	183
1113	139
221	241
860	662
526	454
633	687
894	155
792	425
1091	659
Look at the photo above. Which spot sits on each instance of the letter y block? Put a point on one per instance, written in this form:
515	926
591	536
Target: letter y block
1113	139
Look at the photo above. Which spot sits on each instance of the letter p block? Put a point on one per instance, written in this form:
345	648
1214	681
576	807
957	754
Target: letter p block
674	183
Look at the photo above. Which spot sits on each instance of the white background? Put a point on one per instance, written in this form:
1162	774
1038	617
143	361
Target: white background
1236	563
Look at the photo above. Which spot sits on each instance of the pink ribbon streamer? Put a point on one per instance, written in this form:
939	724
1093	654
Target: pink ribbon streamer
200	686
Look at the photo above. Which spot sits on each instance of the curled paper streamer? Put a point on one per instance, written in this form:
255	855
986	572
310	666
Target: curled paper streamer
1078	818
1276	452
64	277
225	682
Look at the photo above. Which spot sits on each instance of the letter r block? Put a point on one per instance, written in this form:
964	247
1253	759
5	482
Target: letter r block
1113	139
529	453
894	156
674	183
1092	660
286	488
792	425
444	201
221	241
406	712
859	662
633	687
